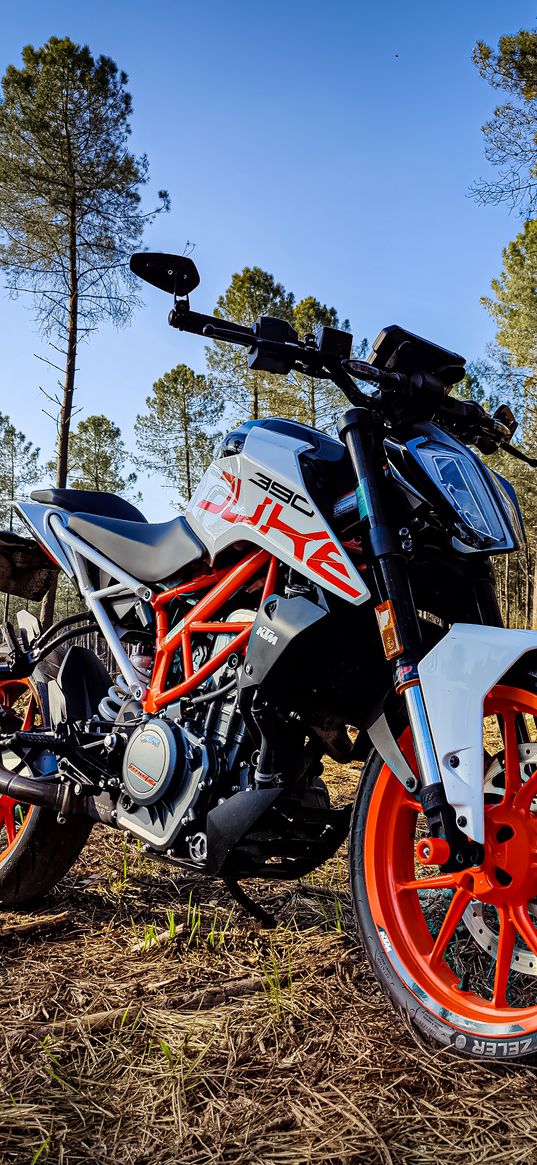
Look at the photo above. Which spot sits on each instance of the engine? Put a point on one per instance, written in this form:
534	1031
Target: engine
175	767
220	780
166	770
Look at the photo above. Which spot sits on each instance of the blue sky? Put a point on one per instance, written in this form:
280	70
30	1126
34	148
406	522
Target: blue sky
332	144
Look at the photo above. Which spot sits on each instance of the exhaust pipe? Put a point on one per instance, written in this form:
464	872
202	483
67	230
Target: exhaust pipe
49	794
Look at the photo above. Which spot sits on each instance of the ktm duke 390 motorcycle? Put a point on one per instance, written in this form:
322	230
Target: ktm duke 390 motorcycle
318	597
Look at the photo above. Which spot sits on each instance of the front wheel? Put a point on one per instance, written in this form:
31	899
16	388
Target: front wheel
456	952
35	850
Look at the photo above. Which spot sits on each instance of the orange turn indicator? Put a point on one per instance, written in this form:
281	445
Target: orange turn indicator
389	633
432	851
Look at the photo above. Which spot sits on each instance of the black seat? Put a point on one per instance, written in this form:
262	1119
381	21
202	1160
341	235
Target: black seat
149	552
88	501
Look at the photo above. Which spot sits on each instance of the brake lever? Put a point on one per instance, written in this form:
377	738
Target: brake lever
387	381
520	456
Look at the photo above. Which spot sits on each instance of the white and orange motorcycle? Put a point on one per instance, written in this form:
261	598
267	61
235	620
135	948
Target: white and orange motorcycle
318	597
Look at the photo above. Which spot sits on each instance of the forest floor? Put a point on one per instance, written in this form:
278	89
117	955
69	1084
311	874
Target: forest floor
146	1020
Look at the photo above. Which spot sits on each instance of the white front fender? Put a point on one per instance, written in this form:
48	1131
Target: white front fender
455	678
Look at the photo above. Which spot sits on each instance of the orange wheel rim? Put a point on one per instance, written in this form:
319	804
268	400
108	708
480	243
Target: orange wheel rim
418	913
15	817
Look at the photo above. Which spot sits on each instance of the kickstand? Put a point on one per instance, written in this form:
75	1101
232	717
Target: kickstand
248	904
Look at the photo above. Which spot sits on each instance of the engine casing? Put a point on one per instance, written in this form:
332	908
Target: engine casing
166	769
152	758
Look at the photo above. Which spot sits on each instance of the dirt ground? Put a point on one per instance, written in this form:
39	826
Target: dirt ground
146	1020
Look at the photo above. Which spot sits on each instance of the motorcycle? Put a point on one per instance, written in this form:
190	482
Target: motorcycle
318	597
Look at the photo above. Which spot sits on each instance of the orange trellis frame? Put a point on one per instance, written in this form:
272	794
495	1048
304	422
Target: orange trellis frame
219	587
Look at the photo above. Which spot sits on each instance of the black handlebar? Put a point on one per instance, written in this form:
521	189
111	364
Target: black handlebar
469	418
471	422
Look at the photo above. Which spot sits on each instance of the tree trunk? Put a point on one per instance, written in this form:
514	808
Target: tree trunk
11	495
47	606
70	367
313	410
188	473
519	600
506	578
534	595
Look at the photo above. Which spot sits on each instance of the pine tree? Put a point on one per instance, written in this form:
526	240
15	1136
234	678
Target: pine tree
514	302
19	468
251	293
510	135
176	436
254	292
97	457
491	381
319	403
511	146
69	201
19	471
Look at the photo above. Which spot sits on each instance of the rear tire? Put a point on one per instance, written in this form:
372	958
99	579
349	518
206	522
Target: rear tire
35	851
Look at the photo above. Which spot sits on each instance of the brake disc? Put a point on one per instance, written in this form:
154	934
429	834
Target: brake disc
474	916
494	775
474	920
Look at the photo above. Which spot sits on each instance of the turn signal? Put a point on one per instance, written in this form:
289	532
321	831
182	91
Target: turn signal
391	641
433	851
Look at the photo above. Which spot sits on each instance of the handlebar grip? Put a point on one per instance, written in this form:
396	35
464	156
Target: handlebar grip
484	431
185	320
464	410
188	321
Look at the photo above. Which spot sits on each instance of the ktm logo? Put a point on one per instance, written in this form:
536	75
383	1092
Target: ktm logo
266	633
385	941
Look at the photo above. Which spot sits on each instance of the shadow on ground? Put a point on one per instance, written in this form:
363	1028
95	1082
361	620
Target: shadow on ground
146	1020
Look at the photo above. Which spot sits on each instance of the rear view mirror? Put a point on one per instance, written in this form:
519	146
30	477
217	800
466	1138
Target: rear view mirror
176	274
505	415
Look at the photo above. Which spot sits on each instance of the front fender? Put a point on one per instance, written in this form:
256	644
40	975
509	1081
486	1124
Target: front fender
455	677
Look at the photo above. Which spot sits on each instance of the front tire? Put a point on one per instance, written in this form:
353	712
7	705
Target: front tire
35	851
455	953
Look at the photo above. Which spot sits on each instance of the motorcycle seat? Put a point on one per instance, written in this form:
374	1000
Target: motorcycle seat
89	501
151	552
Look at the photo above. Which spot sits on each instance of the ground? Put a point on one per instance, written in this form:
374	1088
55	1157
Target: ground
146	1020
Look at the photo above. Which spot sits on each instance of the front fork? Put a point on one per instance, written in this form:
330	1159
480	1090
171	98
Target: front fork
400	631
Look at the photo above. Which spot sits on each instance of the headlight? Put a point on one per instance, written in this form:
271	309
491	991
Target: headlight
510	505
486	518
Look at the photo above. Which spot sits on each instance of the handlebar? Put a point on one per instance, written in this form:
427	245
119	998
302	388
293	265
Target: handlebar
273	346
424	390
472	421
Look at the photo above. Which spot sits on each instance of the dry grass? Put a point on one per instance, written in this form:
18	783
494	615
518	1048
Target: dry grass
140	1030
